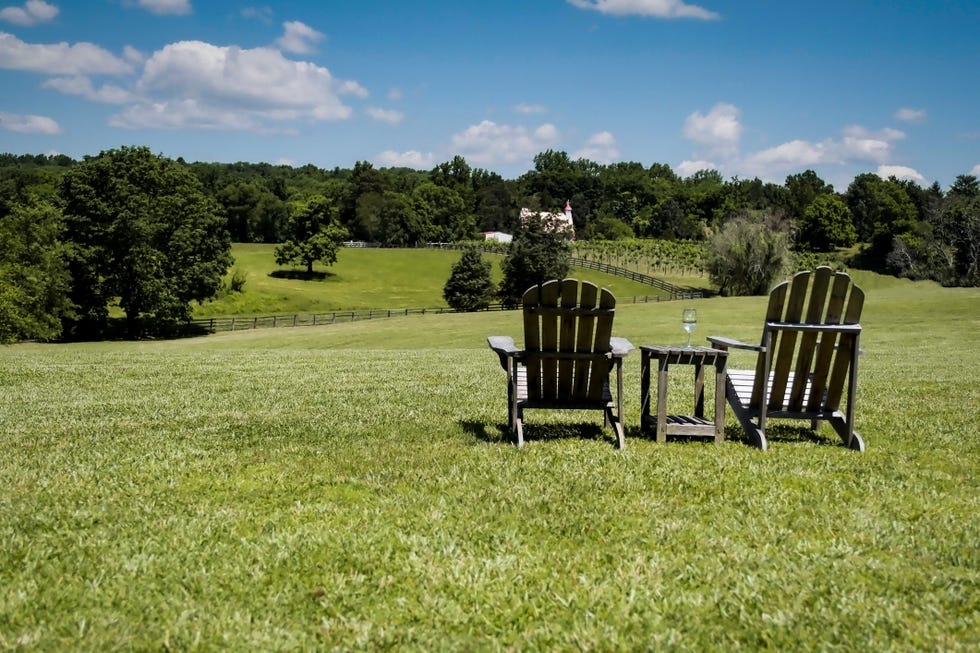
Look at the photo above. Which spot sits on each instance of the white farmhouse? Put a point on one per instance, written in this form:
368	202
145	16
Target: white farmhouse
560	222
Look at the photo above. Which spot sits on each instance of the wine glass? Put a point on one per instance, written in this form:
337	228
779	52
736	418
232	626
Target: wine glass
690	320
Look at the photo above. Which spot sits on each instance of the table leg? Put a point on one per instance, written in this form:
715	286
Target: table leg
721	377
644	388
698	390
662	366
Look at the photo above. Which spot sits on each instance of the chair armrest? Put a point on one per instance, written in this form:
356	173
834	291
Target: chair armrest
721	342
505	348
621	347
502	345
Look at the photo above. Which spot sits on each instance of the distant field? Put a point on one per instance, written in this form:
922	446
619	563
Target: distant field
362	278
352	487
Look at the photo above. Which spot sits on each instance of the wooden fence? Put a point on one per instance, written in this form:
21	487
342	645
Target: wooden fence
237	323
240	323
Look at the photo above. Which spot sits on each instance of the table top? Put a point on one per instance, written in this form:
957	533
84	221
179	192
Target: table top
681	350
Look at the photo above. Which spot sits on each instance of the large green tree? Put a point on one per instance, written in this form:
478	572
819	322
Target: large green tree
444	211
314	234
254	213
537	254
142	235
964	216
880	209
34	278
801	190
826	224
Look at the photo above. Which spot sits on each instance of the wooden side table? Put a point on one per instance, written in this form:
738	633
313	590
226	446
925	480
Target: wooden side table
697	425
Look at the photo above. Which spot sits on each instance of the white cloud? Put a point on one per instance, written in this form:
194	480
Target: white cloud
390	116
186	114
601	148
901	172
299	38
489	143
856	144
719	133
32	13
395	94
211	87
59	58
352	88
411	159
688	168
133	56
906	114
83	87
975	170
651	8
528	109
161	7
262	14
28	124
719	130
864	145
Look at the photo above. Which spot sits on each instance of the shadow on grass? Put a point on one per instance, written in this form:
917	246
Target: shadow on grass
800	433
501	433
775	433
301	275
639	433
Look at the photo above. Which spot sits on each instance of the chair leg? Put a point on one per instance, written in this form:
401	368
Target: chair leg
757	436
519	428
617	425
851	438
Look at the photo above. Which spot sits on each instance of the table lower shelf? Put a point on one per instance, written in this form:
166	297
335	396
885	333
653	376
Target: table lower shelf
683	425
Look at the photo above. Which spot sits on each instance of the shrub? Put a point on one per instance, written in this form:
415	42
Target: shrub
469	287
747	255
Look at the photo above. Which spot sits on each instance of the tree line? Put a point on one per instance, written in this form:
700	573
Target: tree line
152	234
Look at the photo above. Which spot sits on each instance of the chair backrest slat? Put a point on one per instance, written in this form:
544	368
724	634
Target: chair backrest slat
828	341
586	340
785	343
532	339
815	314
603	333
809	369
774	313
549	340
561	318
566	337
844	353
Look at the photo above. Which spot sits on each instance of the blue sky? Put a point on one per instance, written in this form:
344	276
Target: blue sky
750	87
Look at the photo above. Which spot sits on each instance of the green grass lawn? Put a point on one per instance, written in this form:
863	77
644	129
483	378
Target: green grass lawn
350	487
362	278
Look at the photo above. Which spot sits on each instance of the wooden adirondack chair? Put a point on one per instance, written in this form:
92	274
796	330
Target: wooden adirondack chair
568	354
807	359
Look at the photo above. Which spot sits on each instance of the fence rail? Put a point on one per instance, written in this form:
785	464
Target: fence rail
675	292
244	323
678	291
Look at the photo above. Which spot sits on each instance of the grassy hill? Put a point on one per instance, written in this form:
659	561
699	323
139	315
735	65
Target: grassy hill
362	278
351	487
